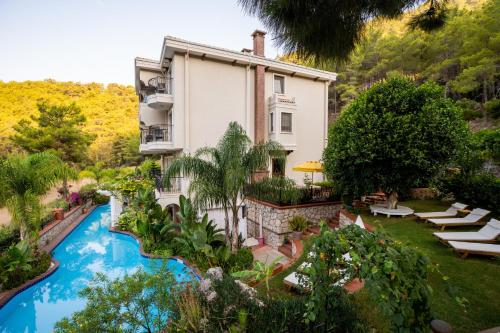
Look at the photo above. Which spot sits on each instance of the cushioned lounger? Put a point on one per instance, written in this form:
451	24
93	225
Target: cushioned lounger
475	248
452	211
488	233
473	218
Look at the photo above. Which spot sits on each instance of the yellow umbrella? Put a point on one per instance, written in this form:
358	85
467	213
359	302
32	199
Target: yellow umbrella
309	166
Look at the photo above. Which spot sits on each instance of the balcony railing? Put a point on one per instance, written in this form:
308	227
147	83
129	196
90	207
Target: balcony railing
174	187
156	133
161	84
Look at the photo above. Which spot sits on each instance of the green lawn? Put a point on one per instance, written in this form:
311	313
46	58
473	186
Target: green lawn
475	279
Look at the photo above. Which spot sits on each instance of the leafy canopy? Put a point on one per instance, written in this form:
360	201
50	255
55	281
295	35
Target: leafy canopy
394	136
58	129
331	29
23	180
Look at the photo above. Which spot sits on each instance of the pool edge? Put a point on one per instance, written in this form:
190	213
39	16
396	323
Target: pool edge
144	254
7	295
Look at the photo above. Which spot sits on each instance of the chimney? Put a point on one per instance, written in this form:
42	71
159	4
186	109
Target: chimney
258	42
260	113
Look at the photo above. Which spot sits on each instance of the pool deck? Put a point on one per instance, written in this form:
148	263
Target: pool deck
6	296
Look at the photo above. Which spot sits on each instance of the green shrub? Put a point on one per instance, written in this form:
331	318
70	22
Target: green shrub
8	237
127	221
19	264
493	108
488	142
241	260
87	191
325	183
470	109
277	190
100	199
298	223
480	190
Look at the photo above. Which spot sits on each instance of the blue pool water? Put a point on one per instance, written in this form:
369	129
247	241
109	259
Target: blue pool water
89	249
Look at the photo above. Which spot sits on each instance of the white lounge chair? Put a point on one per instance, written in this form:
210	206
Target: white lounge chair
486	234
473	218
475	248
292	281
452	211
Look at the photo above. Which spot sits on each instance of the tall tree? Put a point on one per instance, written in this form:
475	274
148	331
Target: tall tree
58	129
329	30
219	174
394	136
23	180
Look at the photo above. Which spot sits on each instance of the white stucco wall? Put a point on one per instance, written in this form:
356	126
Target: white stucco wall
308	123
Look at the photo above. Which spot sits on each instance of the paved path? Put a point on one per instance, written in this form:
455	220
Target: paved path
50	196
267	255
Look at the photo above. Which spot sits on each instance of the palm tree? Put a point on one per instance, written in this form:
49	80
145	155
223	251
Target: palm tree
219	174
65	173
23	180
329	30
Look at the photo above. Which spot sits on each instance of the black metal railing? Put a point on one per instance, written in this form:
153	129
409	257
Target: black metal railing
156	133
161	84
175	185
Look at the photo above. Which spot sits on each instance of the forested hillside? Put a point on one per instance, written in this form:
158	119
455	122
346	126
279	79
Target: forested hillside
463	56
111	111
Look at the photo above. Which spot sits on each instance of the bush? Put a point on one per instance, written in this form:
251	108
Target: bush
127	221
87	191
277	190
480	190
493	108
19	264
470	109
8	237
241	260
100	199
298	223
488	142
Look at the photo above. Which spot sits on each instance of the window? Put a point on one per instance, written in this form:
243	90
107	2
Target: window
279	84
286	122
271	122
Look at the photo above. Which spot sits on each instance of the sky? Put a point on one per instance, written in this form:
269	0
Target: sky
97	40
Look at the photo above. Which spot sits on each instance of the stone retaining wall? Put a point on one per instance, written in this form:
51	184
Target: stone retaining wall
275	218
54	228
346	218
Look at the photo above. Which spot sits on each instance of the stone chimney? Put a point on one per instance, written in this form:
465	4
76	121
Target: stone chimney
260	113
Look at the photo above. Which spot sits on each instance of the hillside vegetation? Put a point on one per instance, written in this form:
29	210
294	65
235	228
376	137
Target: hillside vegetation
111	111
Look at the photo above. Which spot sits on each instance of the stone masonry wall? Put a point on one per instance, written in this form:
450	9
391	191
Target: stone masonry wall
275	218
346	218
56	227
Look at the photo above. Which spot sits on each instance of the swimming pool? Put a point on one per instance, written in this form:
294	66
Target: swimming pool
88	249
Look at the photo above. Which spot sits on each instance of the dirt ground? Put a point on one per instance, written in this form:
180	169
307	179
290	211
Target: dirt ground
50	196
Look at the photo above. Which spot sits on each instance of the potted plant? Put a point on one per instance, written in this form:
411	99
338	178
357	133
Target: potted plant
297	224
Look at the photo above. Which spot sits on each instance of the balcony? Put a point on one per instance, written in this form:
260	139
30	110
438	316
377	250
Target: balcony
282	122
158	93
156	139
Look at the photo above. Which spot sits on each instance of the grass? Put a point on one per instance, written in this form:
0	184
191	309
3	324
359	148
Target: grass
473	280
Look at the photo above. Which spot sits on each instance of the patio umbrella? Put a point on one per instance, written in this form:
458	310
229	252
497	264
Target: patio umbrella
309	166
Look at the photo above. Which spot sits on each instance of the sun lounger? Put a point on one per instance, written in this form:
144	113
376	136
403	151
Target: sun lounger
292	281
452	211
486	234
473	218
466	248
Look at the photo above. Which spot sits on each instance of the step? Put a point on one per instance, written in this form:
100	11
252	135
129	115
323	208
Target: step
286	249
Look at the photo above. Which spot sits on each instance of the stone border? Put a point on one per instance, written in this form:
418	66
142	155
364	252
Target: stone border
307	205
7	295
191	266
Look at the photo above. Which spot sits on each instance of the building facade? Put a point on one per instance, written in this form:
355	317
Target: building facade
190	95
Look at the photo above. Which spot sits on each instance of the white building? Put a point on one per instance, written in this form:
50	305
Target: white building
190	95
